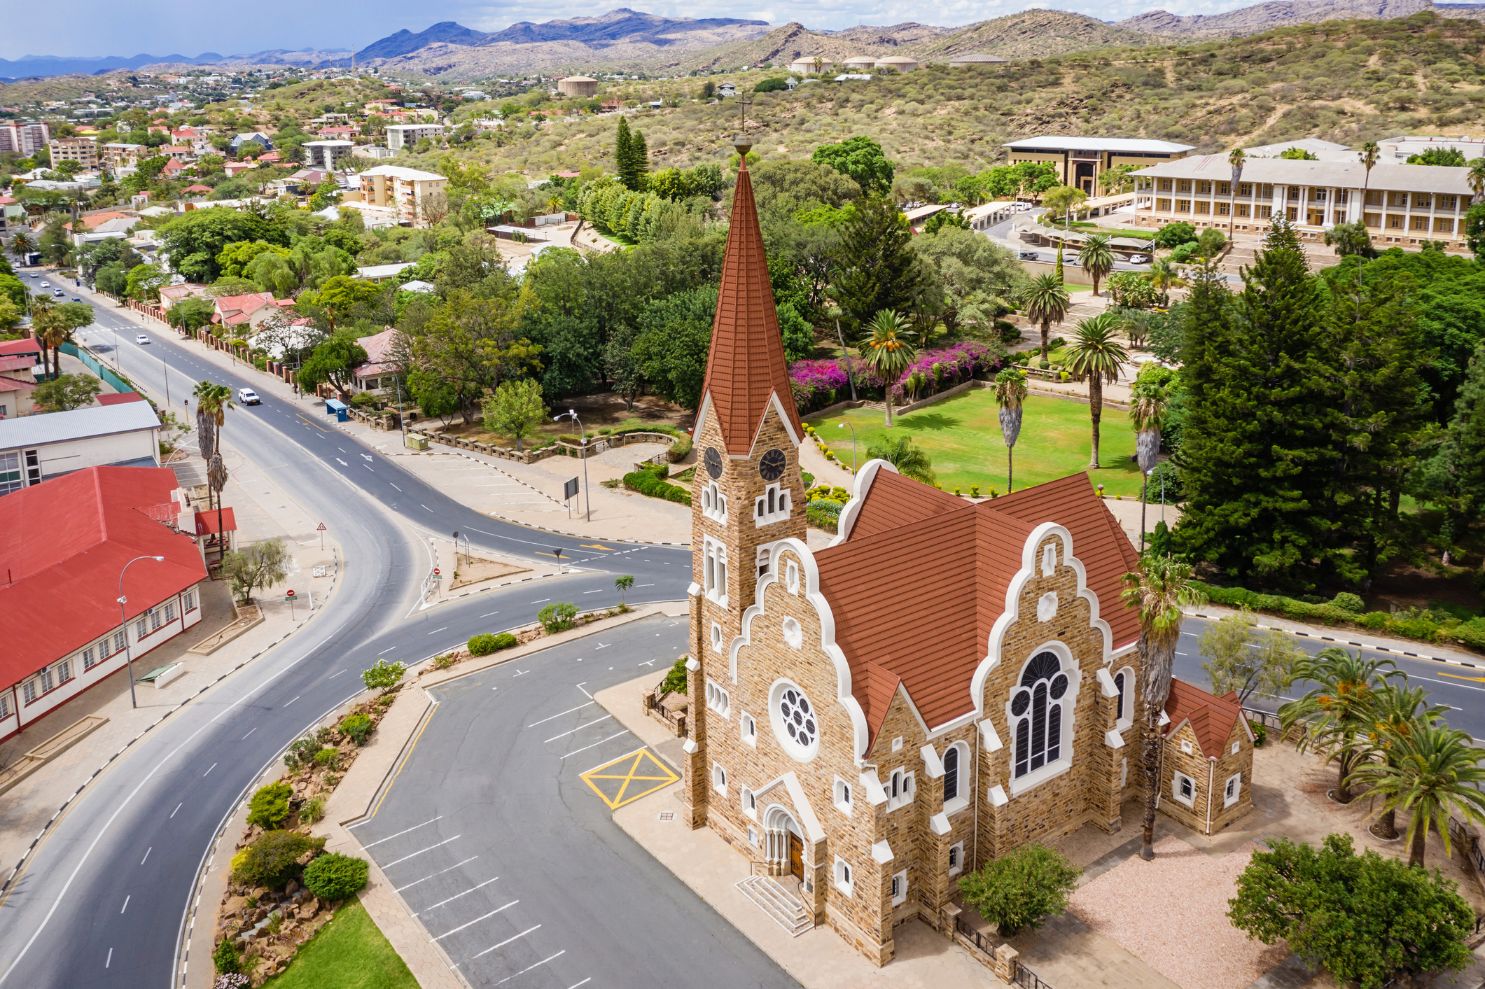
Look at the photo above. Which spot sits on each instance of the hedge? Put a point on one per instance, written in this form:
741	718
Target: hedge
650	482
269	807
272	860
486	643
334	876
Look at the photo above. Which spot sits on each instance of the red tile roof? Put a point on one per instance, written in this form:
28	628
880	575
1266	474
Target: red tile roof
120	398
25	345
62	545
235	309
926	618
1212	718
206	522
16	362
746	363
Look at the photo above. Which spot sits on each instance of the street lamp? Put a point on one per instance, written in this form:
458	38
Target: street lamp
124	623
1144	502
587	501
847	425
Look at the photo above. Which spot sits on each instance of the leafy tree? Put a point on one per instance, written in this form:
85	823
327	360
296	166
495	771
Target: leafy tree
1335	712
1474	229
671	347
1242	659
1350	239
470	343
862	159
1020	889
797	333
332	362
66	392
1298	154
888	352
1210	243
1158	590
1396	713
1045	301
14	289
143	283
383	676
626	157
112	279
1097	259
1462	455
945	220
901	452
191	313
1096	357
1433	774
1010	394
194	239
969	278
1063	202
1450	157
1175	234
623	584
10	314
258	566
1365	919
514	408
773	84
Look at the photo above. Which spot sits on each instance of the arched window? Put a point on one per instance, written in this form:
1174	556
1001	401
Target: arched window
1124	684
951	773
1037	712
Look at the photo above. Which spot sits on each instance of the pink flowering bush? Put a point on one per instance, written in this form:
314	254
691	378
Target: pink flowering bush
818	383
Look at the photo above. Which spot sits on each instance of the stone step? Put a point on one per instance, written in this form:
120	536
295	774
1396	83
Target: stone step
776	901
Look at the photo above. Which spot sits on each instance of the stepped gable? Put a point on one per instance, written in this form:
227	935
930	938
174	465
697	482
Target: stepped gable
1212	718
745	366
921	578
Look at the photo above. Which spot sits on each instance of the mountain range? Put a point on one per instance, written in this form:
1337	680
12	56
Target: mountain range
630	40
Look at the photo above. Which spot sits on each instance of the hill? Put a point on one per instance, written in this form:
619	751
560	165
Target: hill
404	42
1029	34
1279	13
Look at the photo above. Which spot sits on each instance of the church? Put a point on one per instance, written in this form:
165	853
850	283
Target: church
944	682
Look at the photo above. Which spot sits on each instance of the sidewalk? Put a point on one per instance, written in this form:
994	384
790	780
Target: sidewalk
264	511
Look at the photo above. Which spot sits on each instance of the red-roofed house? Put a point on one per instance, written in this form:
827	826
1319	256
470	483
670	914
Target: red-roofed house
196	190
62	550
339	133
245	311
1207	761
380	370
944	683
18	362
235	168
173	167
171	294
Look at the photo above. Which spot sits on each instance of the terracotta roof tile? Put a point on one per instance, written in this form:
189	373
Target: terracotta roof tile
1212	718
745	365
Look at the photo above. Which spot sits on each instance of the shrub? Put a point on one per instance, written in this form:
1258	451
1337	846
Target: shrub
808	478
1174	234
487	642
443	661
227	958
1347	601
1184	253
335	876
231	980
648	482
558	616
675	678
328	757
1470	633
300	752
1021	889
312	810
357	727
679	450
269	807
272	860
824	513
1260	733
383	675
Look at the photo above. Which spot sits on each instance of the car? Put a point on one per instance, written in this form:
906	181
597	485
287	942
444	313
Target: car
76	299
1139	259
1028	256
141	339
35	274
58	293
248	397
1071	257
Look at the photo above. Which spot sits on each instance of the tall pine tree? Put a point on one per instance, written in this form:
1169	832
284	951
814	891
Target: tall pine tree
625	162
876	266
1463	452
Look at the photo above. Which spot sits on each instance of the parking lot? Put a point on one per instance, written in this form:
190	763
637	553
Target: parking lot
497	831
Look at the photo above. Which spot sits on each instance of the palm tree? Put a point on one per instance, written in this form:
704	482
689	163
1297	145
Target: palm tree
1336	712
1397	712
909	458
1096	357
212	402
1097	258
1164	276
1010	393
1476	177
1368	154
1147	411
1433	774
1235	158
1045	302
1159	589
52	331
22	244
887	351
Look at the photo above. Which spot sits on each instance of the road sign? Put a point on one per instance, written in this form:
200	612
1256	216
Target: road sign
570	489
436	571
289	593
321	530
320	527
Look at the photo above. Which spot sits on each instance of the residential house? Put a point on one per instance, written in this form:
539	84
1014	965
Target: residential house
250	142
1080	161
107	224
120	157
380	370
172	294
328	155
39	448
242	314
1206	759
236	168
11	211
20	364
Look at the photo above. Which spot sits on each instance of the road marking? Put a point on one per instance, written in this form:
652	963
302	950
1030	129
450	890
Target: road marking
438	873
421	851
644	585
400	833
596	591
126	904
296	697
250	731
437	630
560	713
502	944
530	967
597	546
541	601
341	462
146	855
109	960
1461	676
597	743
366	456
490	614
341	449
208	770
456	896
639	766
368	467
425	507
648	662
590	724
177	809
521	673
585	693
575	985
335	674
1462	686
603	645
476	920
394	484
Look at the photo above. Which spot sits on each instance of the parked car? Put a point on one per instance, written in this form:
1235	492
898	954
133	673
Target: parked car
248	397
141	339
58	293
1028	256
76	299
1070	258
1139	259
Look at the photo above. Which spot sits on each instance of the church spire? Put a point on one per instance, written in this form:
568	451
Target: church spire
745	368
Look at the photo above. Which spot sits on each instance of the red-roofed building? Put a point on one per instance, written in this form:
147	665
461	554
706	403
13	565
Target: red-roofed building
196	190
380	370
945	682
120	398
173	167
245	311
1206	764
62	549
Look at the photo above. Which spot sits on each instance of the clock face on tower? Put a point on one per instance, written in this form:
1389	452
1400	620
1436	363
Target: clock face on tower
771	467
713	462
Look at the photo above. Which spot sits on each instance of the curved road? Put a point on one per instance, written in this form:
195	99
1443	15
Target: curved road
102	901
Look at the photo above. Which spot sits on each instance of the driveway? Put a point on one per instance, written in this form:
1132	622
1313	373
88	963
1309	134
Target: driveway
509	856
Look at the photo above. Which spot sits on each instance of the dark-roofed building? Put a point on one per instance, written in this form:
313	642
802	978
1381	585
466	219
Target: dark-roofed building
945	682
37	448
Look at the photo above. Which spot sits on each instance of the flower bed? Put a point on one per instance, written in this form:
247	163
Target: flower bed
818	383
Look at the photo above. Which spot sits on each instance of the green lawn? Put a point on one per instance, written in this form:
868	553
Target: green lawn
347	953
962	437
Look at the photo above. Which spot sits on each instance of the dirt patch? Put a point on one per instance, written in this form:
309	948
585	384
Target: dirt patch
477	570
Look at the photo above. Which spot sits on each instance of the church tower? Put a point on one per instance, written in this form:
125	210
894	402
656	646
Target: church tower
747	493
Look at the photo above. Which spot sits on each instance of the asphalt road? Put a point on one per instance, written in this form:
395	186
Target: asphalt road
514	865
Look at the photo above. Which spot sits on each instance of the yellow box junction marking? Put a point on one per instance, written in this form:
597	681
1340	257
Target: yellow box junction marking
625	779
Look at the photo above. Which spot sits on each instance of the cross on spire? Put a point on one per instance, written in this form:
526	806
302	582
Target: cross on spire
743	102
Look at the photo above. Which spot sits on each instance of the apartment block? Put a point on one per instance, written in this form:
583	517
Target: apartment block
24	138
407	194
83	150
401	136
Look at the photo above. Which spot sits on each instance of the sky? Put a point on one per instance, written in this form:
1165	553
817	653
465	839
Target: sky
189	27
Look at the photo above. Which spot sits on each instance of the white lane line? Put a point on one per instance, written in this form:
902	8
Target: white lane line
335	674
437	630
368	467
575	985
421	851
250	731
424	507
208	770
126	904
394	484
636	585
146	855
503	943
590	724
560	713
476	920
541	601
530	967
295	698
109	960
438	873
401	833
490	614
585	692
597	743
595	591
455	897
177	809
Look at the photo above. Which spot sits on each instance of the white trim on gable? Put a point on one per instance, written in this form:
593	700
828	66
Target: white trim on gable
989	737
881	852
1113	739
778	407
844	693
859	488
876	794
1106	683
933	766
939	824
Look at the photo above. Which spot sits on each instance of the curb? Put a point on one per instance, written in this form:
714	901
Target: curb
1372	646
